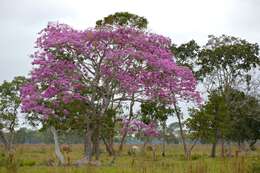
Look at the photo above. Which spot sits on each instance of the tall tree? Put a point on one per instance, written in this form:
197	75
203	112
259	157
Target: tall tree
244	113
234	120
223	62
123	19
225	59
110	64
9	109
186	54
210	122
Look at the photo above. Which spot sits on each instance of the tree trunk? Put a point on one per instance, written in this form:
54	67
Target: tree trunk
222	147
164	142
186	152
58	153
183	138
191	148
96	143
89	144
214	144
213	149
88	147
109	146
85	143
122	141
110	149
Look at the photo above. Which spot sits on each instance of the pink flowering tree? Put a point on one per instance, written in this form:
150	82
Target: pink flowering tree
101	68
140	128
53	96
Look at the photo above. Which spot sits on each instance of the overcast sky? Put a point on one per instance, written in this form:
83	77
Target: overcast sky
181	20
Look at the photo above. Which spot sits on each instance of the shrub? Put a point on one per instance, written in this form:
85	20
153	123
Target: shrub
27	163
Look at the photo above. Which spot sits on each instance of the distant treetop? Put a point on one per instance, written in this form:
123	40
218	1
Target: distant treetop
124	19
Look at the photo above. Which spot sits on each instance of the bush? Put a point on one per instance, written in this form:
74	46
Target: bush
196	156
27	163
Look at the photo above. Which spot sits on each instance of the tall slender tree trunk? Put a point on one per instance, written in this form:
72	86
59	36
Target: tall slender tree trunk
164	141
89	143
216	135
85	142
214	144
186	152
108	146
96	143
58	153
122	141
213	149
183	138
222	147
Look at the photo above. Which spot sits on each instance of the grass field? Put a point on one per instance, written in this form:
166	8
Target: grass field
37	159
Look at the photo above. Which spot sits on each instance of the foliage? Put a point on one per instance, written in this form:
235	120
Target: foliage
210	120
224	59
9	108
10	102
244	113
187	54
152	111
123	19
133	67
236	120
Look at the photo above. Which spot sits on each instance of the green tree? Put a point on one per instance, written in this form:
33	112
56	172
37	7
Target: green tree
210	122
123	19
61	124
225	59
244	111
224	62
186	54
9	109
235	120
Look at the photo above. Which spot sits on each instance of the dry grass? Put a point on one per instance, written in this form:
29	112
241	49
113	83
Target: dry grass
37	158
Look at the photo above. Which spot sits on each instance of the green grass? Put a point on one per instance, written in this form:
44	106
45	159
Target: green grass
36	158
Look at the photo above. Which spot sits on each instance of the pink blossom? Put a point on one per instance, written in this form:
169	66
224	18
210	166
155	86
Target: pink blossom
126	60
139	127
